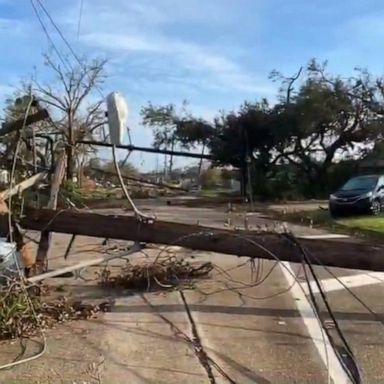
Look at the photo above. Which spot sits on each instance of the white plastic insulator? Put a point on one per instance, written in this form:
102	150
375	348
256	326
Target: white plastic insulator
117	117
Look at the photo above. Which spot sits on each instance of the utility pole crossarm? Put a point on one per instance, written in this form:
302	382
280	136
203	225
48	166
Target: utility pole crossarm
332	253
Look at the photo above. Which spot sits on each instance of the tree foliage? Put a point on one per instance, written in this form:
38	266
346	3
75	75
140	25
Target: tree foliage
319	119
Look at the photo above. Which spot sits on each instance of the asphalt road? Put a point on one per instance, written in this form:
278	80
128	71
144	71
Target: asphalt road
246	324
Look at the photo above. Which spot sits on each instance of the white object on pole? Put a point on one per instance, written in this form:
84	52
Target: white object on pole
4	176
10	261
117	117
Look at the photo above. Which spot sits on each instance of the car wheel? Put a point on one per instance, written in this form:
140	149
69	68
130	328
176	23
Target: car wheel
376	207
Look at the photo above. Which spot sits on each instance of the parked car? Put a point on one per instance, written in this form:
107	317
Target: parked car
361	194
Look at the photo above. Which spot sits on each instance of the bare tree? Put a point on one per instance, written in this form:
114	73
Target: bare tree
73	116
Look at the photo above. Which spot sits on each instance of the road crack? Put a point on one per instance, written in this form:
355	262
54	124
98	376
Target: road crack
196	341
205	360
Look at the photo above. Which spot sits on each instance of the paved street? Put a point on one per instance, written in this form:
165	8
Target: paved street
245	324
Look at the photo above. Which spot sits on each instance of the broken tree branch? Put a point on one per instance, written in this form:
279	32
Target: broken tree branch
28	183
81	265
18	124
334	253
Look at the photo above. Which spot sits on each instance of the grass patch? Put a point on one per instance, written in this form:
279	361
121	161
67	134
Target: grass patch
315	218
365	223
369	227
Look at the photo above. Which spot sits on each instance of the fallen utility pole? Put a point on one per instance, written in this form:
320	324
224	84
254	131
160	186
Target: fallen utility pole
18	124
141	180
333	253
149	150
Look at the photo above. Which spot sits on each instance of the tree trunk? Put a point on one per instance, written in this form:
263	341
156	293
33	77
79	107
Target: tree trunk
69	149
70	165
243	163
171	159
201	160
243	180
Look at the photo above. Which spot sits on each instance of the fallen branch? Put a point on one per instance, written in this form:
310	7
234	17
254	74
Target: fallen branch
82	265
18	124
28	183
19	319
165	273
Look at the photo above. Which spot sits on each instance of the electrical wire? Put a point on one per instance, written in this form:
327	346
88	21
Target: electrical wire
67	65
271	254
140	215
72	51
353	294
80	17
13	169
19	270
354	374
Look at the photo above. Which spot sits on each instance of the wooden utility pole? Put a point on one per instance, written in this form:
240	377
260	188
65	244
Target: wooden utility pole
45	238
333	253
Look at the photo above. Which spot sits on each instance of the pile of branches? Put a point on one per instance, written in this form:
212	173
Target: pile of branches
23	311
165	273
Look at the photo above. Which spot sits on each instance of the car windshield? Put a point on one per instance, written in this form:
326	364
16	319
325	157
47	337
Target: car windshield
362	183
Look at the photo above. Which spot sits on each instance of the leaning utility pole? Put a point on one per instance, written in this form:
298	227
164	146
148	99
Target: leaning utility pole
265	245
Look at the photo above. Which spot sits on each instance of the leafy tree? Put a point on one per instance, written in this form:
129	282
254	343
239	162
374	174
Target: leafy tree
319	120
209	178
164	122
15	108
90	169
323	121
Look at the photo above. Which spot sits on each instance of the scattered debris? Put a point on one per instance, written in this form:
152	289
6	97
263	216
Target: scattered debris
23	310
165	273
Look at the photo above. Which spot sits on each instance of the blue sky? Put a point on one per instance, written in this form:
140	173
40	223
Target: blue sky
214	53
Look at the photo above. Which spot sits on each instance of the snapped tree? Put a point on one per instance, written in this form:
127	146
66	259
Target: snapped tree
74	117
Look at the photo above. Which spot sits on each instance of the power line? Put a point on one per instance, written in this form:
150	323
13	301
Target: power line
59	31
80	17
72	51
350	366
67	44
51	42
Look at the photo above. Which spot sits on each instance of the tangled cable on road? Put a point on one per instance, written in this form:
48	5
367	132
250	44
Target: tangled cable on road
346	359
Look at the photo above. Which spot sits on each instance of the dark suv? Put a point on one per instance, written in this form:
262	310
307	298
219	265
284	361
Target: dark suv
362	194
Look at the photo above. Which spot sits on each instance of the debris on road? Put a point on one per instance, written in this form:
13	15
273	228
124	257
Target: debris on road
24	309
165	273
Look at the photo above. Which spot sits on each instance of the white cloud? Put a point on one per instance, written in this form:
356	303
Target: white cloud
215	71
160	50
147	30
